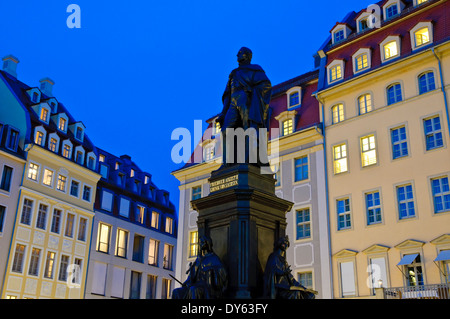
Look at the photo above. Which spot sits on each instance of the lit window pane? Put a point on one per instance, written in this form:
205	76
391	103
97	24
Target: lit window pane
390	50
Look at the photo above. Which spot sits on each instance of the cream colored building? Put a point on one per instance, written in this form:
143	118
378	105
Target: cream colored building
385	112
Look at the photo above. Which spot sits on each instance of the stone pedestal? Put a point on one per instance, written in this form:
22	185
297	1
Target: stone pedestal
243	217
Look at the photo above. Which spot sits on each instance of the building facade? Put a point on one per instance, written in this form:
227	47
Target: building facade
383	92
51	218
134	235
296	156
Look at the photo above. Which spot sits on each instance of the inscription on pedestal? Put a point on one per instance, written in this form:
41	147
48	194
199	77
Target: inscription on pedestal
224	183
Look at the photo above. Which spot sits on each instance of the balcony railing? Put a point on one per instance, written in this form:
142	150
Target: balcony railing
438	291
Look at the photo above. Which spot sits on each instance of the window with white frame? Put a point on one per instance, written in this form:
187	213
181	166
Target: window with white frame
362	60
340	32
421	34
62	122
335	71
40	135
33	171
337	113
343	213
67	149
365	103
294	96
368	150
48	177
390	48
53	143
44	114
340	158
373	208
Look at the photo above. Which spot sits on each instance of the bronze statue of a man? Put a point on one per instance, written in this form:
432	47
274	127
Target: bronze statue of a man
207	275
279	283
246	98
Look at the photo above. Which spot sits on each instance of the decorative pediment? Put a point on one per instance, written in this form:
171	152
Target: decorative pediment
346	253
441	240
410	243
374	249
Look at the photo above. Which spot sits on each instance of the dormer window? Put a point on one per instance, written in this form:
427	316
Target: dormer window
79	155
39	135
286	122
62	124
91	160
421	34
44	115
53	104
392	8
340	32
362	60
391	11
67	149
390	48
78	130
35	97
419	2
294	96
339	36
79	134
335	71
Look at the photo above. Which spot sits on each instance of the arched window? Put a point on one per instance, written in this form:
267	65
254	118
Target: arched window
394	93
426	82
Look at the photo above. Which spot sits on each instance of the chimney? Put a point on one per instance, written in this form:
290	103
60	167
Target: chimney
47	86
10	65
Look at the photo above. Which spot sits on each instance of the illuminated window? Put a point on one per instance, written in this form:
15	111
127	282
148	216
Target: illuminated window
53	143
103	238
421	1
422	36
49	265
62	124
33	171
153	251
169	225
48	177
365	104
155	220
287	127
337	113
122	243
368	151
193	244
140	214
390	50
362	62
44	115
336	73
167	257
340	158
61	184
216	128
66	151
39	138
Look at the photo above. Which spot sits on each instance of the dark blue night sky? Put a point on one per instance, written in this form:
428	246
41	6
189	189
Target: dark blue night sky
136	70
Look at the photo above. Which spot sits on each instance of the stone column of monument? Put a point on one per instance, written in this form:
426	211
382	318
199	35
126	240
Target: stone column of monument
242	215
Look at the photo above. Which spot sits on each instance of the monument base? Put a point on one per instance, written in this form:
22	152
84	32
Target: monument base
243	217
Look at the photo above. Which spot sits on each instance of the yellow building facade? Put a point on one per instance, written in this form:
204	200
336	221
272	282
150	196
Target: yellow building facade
52	232
387	148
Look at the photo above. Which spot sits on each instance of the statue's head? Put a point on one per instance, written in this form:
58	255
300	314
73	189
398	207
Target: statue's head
282	242
205	243
244	55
